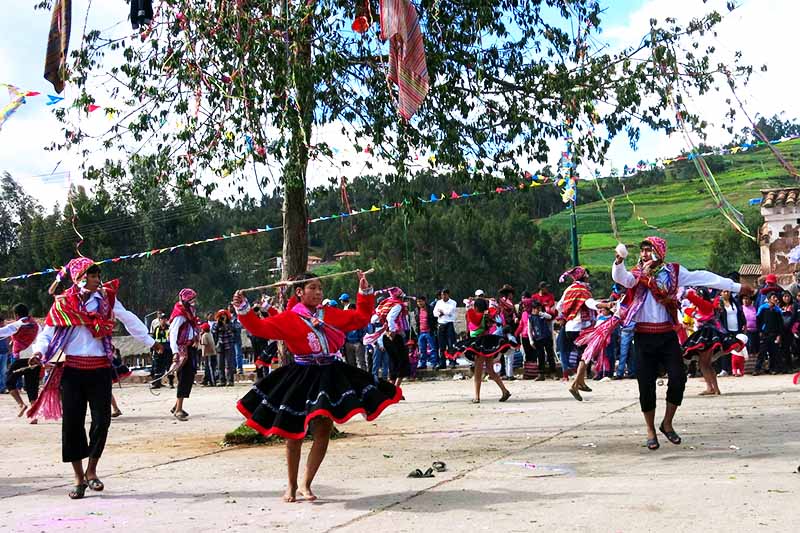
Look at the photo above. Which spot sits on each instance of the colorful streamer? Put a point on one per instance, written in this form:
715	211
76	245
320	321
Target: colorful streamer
17	98
535	182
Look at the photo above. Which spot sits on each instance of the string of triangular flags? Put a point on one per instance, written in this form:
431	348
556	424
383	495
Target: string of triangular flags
532	181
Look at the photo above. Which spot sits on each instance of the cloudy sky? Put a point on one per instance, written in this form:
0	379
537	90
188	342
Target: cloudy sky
762	29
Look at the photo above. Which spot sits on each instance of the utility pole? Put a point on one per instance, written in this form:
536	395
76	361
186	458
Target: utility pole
574	228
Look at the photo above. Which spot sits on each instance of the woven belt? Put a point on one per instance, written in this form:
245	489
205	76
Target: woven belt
87	363
654	327
321	359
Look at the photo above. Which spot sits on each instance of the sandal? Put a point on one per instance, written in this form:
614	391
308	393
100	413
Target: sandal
78	491
576	394
183	416
428	473
506	395
584	388
439	466
173	411
95	484
416	473
673	437
652	444
475	400
115	414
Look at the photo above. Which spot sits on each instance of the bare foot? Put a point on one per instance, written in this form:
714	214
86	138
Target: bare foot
707	393
306	493
290	495
22	409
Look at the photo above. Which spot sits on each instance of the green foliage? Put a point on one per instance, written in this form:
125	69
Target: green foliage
684	212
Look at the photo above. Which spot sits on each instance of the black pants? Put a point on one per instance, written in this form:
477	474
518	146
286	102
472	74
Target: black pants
187	372
30	378
446	335
80	388
531	353
545	352
226	364
399	366
654	352
210	370
769	349
161	362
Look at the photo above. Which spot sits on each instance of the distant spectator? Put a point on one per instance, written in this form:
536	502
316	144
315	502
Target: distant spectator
425	324
209	352
794	288
445	313
238	353
223	333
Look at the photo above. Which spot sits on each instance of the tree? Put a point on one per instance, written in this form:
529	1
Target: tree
221	91
773	128
730	249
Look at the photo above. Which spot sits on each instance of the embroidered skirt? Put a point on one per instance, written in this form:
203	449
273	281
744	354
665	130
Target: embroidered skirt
484	346
119	371
285	401
709	337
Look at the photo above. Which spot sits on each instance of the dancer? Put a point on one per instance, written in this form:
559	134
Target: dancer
22	332
709	342
79	324
482	347
316	386
393	314
578	309
184	338
652	305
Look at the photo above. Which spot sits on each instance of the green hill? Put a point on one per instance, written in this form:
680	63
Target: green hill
681	208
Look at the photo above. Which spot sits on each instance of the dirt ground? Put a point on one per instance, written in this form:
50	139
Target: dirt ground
540	462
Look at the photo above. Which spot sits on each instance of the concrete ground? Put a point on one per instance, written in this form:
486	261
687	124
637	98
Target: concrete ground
541	462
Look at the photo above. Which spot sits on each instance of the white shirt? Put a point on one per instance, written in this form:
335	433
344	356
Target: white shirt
445	312
576	324
733	319
174	328
10	329
391	319
653	312
83	343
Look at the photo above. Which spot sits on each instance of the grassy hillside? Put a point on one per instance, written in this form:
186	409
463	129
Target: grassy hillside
682	209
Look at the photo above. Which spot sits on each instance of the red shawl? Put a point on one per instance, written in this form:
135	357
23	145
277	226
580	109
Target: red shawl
574	300
24	336
184	340
69	310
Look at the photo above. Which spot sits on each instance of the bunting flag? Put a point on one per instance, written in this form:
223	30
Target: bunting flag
433	198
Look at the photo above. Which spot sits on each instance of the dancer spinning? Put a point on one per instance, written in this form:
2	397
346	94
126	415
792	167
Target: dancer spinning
316	386
23	332
652	306
79	324
578	309
709	342
483	346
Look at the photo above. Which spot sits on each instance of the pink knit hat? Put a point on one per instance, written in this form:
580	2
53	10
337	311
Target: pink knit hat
77	268
658	244
187	295
576	273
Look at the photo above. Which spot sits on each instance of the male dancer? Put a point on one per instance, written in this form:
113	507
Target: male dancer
651	304
79	325
22	333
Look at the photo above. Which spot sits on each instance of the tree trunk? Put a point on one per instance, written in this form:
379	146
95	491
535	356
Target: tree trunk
295	205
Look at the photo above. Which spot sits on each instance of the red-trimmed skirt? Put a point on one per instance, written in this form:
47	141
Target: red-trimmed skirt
485	346
285	401
709	337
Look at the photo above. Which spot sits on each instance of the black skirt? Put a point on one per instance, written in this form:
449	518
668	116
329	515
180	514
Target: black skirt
285	401
709	337
486	346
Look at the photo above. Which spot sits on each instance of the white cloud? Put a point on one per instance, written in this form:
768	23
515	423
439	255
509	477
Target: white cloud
764	31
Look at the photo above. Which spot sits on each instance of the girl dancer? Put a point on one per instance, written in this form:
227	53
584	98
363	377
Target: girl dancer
482	346
709	341
316	386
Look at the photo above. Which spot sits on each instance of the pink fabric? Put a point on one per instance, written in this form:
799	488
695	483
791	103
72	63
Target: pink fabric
423	321
77	268
576	273
407	66
187	294
334	336
597	339
659	245
396	292
750	317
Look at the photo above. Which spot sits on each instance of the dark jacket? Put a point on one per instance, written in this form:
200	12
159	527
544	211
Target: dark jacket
740	319
432	322
769	320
